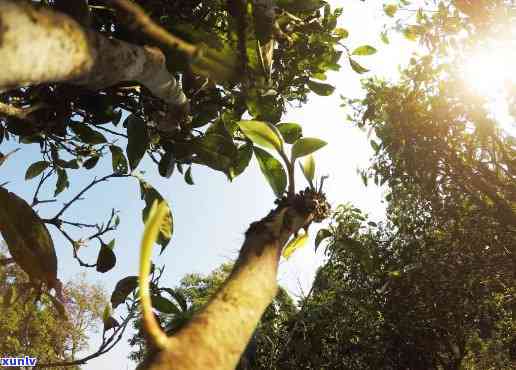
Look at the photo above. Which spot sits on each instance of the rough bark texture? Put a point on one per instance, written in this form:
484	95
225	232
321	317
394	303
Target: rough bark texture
216	337
38	45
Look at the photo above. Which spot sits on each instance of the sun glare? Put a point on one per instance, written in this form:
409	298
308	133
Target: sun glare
488	73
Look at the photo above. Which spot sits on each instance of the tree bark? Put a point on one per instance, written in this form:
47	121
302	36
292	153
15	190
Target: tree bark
38	45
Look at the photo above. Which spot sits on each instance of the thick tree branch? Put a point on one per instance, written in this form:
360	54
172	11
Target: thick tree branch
67	52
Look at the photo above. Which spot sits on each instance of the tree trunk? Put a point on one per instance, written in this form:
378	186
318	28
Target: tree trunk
216	337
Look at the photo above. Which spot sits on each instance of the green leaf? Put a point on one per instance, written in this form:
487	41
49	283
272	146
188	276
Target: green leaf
188	176
290	131
36	169
164	305
305	146
357	67
87	134
245	153
320	88
91	162
106	259
364	50
411	33
390	9
296	243
321	235
262	133
62	182
149	195
215	151
272	170
118	160
123	288
179	298
341	33
138	140
384	37
166	165
308	169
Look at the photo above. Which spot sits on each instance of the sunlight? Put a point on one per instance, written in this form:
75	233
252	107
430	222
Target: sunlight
487	73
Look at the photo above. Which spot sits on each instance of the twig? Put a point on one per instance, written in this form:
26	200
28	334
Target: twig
83	191
44	177
110	131
152	29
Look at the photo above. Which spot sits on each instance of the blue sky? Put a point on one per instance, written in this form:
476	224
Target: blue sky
211	216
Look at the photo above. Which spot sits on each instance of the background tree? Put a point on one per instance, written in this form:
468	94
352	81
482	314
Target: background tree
35	329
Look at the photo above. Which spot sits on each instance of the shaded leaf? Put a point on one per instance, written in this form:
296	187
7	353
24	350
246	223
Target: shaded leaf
27	239
166	165
357	67
36	169
110	323
262	133
188	176
179	297
149	195
87	134
305	146
245	153
118	160
91	162
138	140
123	288
272	170
106	259
164	305
321	235
215	151
290	131
62	182
320	88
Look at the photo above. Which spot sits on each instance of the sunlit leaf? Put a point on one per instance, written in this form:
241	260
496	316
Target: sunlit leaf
390	9
305	146
364	50
308	169
262	133
296	243
341	33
